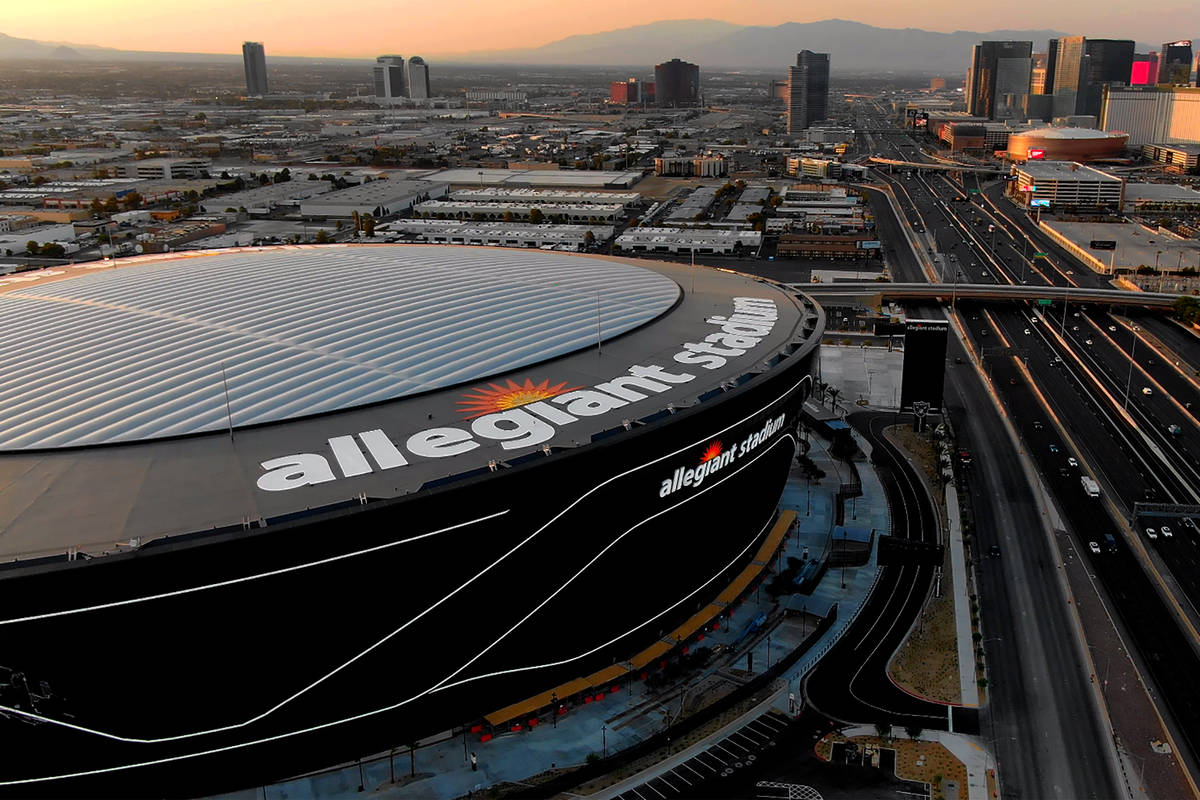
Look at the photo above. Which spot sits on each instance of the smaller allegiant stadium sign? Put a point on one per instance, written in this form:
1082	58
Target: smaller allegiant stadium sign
716	458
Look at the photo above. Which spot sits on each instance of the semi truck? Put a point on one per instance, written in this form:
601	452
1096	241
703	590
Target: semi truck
1090	487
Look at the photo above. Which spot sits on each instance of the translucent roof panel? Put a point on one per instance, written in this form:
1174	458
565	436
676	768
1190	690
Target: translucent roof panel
155	350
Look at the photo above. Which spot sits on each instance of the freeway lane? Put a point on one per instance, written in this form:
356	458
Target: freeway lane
1042	722
1168	655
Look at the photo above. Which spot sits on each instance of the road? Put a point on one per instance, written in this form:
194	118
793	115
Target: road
1107	443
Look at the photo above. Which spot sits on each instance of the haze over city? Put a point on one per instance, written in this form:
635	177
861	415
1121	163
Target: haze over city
364	29
630	401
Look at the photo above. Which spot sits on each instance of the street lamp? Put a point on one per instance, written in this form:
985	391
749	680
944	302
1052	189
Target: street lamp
1129	377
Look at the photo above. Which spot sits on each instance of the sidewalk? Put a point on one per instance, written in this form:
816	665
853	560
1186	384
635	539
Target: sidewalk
962	607
635	713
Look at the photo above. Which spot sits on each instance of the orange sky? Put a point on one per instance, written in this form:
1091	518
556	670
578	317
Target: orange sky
366	28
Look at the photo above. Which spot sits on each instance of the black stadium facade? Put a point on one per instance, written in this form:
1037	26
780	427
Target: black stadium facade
269	510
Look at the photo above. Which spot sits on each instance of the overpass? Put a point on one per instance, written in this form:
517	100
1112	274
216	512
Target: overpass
893	162
987	291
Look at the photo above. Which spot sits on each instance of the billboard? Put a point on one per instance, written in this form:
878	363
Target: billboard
1103	244
924	363
1039	203
869	245
1036	153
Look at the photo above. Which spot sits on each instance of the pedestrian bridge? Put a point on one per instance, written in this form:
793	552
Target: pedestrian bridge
894	162
987	291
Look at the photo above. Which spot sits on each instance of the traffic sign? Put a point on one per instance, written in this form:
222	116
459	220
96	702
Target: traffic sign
1043	301
1039	255
972	191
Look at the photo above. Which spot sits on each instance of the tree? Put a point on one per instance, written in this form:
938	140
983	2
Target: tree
368	223
32	247
131	200
322	237
589	239
884	729
536	216
97	205
913	731
110	205
53	250
1187	309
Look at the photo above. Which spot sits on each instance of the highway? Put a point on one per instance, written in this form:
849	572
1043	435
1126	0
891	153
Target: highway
994	291
1076	380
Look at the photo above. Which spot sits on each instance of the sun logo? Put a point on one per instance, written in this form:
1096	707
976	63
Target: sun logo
478	402
711	452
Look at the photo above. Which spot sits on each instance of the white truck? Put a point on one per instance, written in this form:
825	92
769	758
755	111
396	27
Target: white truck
1090	487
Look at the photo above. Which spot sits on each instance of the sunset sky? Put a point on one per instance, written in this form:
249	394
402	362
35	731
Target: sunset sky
366	28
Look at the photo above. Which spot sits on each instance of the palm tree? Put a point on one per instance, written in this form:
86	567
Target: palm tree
412	759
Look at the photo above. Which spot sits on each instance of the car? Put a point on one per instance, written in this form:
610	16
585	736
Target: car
1071	462
1147	390
1037	424
1165	530
1094	547
1150	362
1053	448
1151	533
1087	341
1112	328
983	332
1012	381
994	551
958	360
1027	331
1074	327
1076	314
1188	522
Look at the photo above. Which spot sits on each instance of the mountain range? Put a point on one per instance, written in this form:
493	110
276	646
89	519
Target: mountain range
854	47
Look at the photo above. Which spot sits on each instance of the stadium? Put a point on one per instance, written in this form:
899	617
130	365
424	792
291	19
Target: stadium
1066	144
263	511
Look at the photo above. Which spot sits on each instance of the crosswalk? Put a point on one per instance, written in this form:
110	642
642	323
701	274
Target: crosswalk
721	759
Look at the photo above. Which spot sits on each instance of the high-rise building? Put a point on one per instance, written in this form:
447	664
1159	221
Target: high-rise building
624	92
1000	78
808	90
937	83
1145	69
1037	75
1175	63
677	83
1070	74
254	59
389	77
417	78
1110	61
1051	66
1153	114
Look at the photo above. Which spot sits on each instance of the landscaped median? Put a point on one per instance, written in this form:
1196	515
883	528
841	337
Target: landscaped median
916	759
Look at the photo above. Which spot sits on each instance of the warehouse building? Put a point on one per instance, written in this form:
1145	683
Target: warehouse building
377	198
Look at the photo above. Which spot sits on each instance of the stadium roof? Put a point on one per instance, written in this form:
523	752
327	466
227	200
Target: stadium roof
92	497
1070	133
188	346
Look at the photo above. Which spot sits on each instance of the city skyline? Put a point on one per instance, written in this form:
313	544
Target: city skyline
439	30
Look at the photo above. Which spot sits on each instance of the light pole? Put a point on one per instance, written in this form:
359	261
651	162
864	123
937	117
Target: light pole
1129	378
604	740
